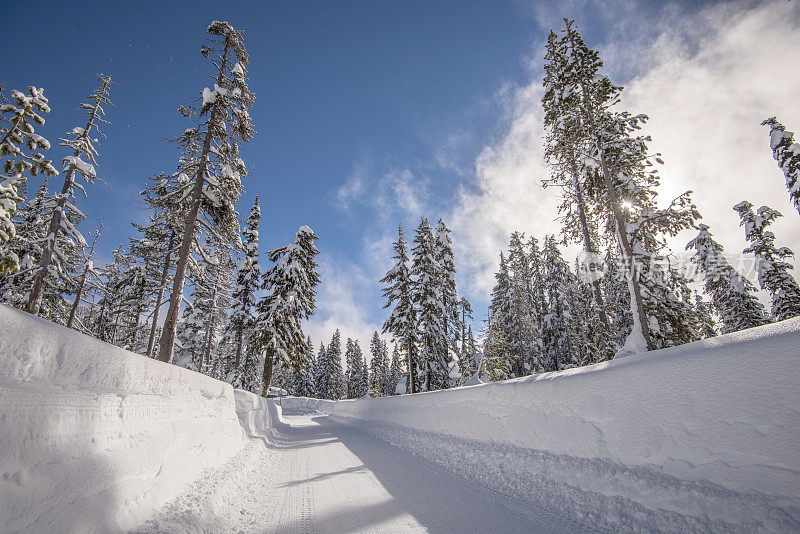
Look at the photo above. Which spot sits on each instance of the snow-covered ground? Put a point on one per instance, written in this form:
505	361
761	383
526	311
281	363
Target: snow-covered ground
702	437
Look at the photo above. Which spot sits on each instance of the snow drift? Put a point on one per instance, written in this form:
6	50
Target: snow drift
92	437
700	437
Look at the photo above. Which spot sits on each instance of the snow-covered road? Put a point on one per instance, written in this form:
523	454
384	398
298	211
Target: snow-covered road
321	476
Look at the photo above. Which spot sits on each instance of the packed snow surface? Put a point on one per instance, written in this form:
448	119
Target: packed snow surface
701	438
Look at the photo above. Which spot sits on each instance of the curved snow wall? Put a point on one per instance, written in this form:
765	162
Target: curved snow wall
700	437
92	437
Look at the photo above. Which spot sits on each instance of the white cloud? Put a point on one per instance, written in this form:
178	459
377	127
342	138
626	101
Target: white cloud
342	303
507	197
707	81
717	77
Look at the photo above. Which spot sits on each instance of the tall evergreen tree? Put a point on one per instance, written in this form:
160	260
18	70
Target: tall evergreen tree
289	288
160	238
443	254
211	159
31	233
62	233
619	177
787	154
732	295
303	384
773	271
560	349
525	316
507	345
329	367
398	292
468	363
352	358
395	371
247	278
378	365
434	355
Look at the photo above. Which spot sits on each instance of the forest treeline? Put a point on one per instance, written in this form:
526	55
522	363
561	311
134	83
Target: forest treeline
189	288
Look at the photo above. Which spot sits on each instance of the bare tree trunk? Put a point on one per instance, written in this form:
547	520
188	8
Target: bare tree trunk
171	319
210	332
239	343
164	272
74	308
622	232
411	370
267	376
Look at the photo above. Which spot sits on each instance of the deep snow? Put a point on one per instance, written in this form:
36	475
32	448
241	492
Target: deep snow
702	437
94	438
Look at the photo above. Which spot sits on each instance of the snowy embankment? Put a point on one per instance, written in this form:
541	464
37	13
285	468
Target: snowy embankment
94	438
700	437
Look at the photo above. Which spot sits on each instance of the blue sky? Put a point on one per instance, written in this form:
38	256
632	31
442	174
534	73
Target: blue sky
371	114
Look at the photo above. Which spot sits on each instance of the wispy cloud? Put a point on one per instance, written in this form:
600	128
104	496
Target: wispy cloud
706	75
706	79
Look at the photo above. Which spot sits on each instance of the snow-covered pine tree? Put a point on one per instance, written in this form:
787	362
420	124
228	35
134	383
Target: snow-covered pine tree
329	366
495	364
619	176
113	323
17	133
504	325
27	245
526	319
538	289
303	383
378	366
565	140
787	153
399	293
443	254
62	232
732	295
396	371
617	292
160	238
363	372
290	289
212	160
773	271
247	278
353	371
705	315
468	362
560	349
87	277
434	355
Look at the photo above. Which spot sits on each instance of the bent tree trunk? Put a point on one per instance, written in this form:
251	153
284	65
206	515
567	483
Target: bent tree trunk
151	342
78	295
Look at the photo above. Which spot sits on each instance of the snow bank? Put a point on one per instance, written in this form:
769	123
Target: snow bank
700	437
94	438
